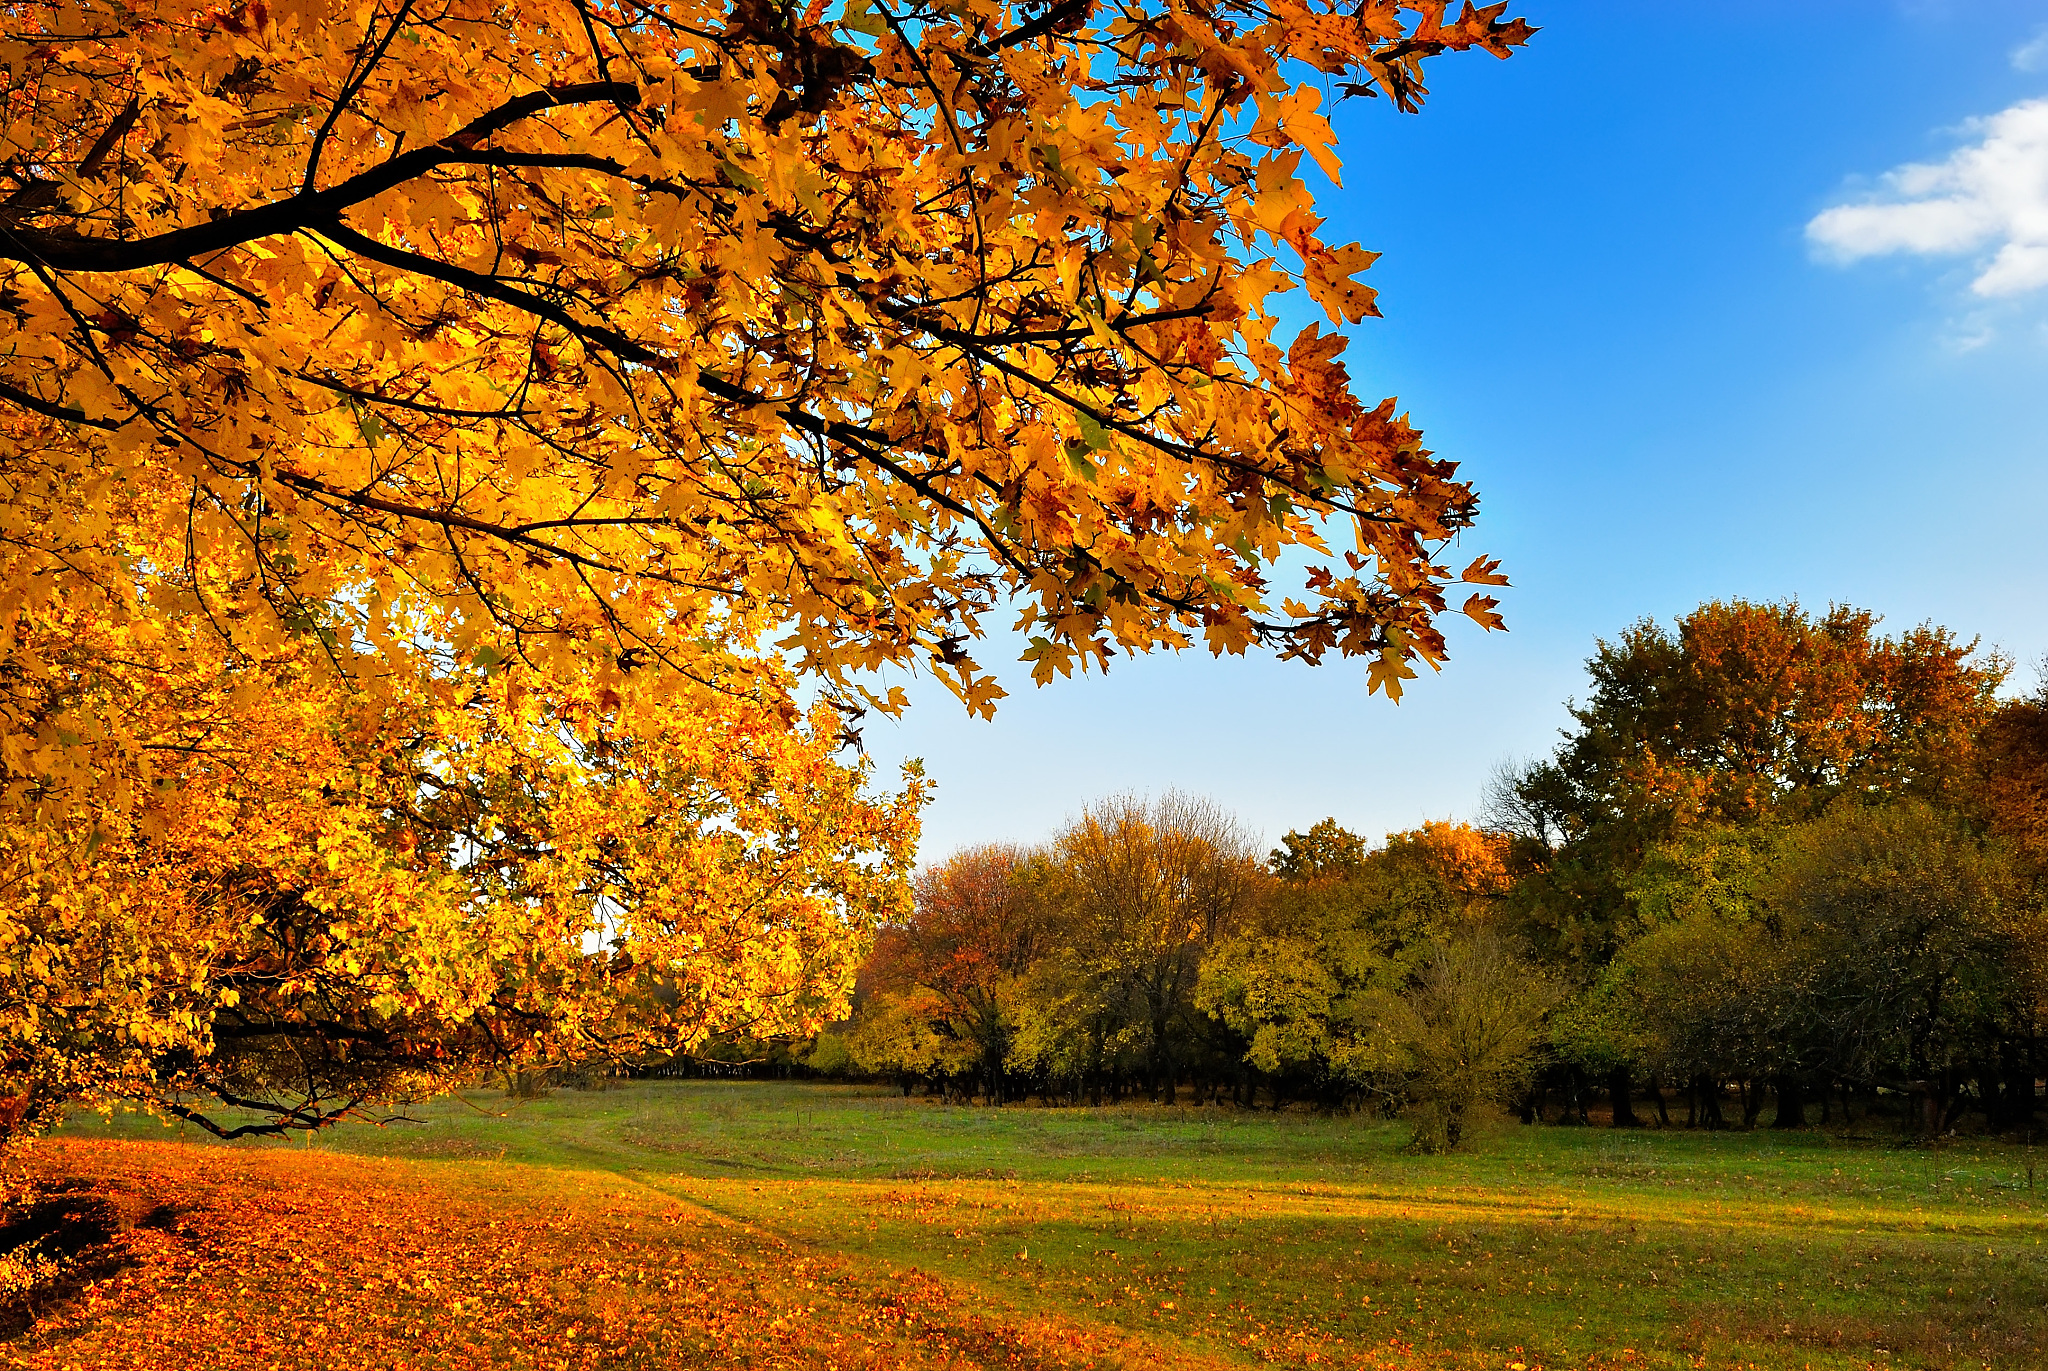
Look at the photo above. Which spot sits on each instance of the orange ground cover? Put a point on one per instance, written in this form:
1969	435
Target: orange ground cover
234	1258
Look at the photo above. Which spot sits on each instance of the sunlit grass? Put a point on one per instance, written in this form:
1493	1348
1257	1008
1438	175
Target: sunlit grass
1241	1237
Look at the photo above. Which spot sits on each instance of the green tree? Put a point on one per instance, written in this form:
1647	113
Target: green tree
1885	945
1466	1031
1747	713
1904	923
1295	981
1689	996
1283	994
1325	851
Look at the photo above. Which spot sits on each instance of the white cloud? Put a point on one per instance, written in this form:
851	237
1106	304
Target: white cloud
1990	197
2032	55
1967	335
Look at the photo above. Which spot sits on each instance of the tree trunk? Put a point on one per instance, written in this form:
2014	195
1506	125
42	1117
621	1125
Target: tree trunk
1955	1099
1618	1100
1574	1111
1791	1094
1162	1057
1710	1103
2018	1062
1656	1086
1927	1095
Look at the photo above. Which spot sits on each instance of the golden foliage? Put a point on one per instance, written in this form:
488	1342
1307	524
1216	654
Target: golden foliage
443	443
611	325
1470	863
343	895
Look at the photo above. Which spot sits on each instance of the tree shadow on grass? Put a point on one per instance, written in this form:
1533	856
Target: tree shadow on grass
62	1238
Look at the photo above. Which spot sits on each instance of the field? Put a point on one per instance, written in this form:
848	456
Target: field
758	1224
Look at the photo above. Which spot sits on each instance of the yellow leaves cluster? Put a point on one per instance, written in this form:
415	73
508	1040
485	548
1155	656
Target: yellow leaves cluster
256	877
614	376
831	335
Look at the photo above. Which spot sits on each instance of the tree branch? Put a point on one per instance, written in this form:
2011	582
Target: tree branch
89	169
51	410
303	1119
1043	24
490	288
348	92
308	209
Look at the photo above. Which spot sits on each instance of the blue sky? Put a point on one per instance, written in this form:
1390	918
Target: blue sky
1603	296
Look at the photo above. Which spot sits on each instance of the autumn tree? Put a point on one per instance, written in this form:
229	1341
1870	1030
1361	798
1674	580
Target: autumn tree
2009	797
1281	981
616	324
901	1035
644	362
1750	710
2010	789
338	899
1421	885
652	363
1139	891
1747	713
971	936
1687	858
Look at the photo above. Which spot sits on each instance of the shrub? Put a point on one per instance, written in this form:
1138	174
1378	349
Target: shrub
1465	1032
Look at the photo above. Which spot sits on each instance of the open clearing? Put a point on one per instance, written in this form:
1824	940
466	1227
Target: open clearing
761	1224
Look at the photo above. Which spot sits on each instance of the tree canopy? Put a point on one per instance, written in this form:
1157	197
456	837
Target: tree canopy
607	329
1779	853
340	898
1747	713
453	434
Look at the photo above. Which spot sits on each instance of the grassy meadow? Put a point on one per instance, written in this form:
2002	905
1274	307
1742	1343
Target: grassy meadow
768	1224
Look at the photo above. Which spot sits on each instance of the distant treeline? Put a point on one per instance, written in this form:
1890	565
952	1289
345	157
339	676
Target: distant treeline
1778	861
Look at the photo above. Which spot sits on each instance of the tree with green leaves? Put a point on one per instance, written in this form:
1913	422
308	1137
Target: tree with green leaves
1347	919
1464	1032
1873	945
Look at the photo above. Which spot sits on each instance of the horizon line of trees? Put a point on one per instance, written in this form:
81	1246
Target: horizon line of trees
1777	859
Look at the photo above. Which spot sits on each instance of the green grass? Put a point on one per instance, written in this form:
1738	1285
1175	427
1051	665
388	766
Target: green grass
1255	1237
